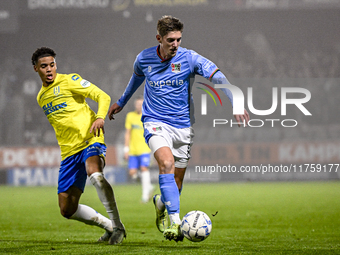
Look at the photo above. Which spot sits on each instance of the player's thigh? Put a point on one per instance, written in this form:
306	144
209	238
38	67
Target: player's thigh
133	171
94	164
72	173
182	146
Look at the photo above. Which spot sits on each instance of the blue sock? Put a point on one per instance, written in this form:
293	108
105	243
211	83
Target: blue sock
169	191
180	192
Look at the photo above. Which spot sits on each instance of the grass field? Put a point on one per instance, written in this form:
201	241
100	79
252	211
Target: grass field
261	218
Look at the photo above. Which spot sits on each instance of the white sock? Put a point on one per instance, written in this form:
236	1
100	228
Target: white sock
160	204
106	196
174	218
89	216
146	185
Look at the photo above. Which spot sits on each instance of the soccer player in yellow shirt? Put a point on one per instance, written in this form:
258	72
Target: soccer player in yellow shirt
80	135
136	151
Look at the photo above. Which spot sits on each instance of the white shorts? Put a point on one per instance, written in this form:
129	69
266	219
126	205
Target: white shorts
179	140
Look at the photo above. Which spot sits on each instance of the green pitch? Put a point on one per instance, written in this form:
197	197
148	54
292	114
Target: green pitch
262	218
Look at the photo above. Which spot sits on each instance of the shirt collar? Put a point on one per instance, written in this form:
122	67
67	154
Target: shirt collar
160	56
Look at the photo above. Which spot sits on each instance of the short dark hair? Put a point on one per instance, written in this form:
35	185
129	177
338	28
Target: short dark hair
42	52
167	24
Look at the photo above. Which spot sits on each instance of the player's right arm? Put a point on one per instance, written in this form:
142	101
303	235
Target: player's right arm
136	80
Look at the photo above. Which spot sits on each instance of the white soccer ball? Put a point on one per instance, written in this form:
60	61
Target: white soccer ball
196	226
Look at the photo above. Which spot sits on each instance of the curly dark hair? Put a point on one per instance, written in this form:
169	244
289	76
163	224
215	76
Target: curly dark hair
167	24
42	52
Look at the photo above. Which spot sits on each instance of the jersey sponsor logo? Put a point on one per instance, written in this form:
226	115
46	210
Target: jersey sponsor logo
85	83
56	90
49	108
95	150
160	84
75	77
175	67
157	129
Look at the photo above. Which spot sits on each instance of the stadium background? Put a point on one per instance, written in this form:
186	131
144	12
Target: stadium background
256	43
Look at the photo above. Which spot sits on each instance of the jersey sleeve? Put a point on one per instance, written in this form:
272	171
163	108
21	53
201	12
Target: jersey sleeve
80	86
201	65
136	66
219	78
210	71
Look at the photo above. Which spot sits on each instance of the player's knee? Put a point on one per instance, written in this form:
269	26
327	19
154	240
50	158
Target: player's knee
132	171
167	166
144	169
98	179
67	212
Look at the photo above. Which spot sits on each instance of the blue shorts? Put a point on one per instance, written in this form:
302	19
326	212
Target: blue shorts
138	161
72	169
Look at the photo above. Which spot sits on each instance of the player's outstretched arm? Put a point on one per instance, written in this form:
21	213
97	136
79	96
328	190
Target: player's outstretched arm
97	125
133	85
219	78
103	101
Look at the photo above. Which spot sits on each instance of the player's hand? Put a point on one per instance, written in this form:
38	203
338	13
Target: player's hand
97	125
115	108
242	118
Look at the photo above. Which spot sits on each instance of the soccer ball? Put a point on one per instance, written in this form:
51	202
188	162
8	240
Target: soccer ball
196	226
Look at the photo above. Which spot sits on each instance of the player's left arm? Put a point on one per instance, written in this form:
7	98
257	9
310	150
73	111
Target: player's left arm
219	78
103	101
85	88
136	80
210	71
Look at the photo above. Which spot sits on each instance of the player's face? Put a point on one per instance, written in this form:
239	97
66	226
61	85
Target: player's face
169	43
138	106
46	67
